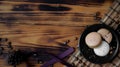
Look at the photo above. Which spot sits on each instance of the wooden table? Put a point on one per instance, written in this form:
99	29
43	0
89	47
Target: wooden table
27	23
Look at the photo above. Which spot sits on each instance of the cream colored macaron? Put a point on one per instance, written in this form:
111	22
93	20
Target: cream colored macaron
93	39
106	34
103	49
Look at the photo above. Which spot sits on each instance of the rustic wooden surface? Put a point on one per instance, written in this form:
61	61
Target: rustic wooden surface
32	23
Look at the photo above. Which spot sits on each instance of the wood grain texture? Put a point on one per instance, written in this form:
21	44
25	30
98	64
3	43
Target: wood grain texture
33	23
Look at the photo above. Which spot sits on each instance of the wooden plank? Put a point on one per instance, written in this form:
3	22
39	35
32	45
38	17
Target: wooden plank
34	23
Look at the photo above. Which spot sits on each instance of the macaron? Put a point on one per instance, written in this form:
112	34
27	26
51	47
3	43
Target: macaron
106	34
93	39
103	49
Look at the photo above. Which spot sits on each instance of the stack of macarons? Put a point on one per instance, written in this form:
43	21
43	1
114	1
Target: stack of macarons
99	41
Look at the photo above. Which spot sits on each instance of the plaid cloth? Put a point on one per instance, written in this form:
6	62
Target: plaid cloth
78	60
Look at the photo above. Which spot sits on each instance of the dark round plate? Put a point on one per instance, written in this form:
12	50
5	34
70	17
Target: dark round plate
89	54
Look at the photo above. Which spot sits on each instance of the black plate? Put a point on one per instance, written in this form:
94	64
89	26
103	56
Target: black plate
89	54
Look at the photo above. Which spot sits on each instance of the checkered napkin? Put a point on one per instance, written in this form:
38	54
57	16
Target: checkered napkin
78	60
